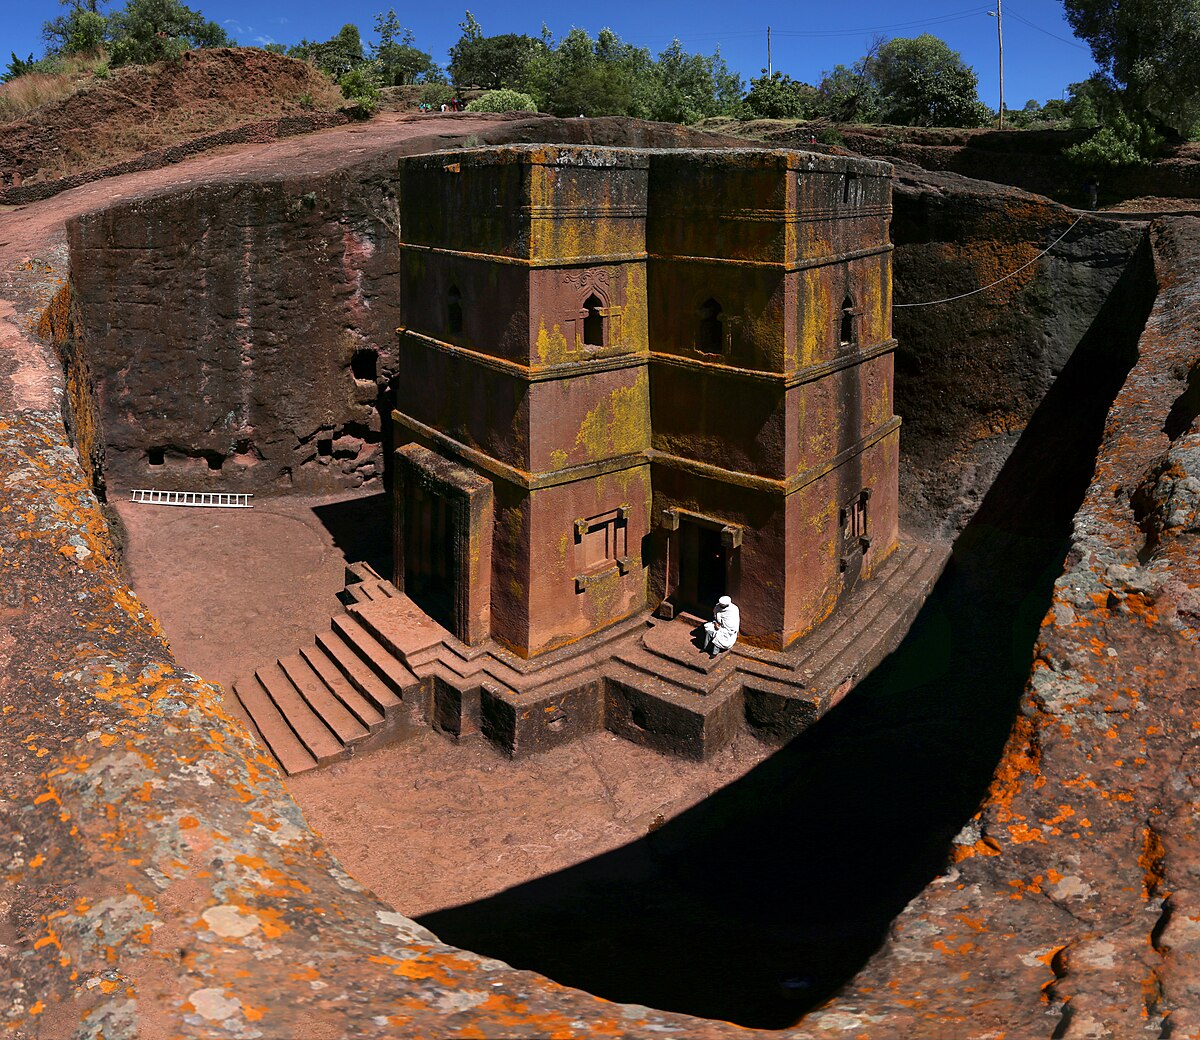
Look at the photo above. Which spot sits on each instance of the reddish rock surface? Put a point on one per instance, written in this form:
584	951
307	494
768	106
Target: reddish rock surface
161	882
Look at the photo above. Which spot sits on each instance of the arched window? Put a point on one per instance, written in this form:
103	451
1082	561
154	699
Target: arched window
847	334
710	338
454	311
593	322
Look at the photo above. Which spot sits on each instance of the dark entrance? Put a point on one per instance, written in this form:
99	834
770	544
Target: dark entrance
429	571
703	567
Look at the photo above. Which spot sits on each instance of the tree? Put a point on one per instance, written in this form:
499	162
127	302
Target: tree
582	76
778	96
337	56
691	86
399	58
154	30
1150	51
922	82
18	67
850	94
491	61
83	28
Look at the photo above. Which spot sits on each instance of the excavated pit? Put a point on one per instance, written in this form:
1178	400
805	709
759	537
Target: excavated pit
764	899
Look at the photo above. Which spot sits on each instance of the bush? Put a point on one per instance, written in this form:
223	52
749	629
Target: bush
361	90
778	96
1124	141
435	95
503	101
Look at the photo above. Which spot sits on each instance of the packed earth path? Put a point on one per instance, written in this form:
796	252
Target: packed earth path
161	882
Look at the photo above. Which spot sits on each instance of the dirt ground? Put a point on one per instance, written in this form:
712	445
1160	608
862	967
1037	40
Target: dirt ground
427	824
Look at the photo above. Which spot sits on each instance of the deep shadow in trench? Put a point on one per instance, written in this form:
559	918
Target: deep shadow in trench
763	900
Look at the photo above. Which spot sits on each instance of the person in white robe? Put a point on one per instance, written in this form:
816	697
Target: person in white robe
722	631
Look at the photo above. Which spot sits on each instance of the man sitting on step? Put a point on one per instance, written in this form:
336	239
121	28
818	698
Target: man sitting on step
722	631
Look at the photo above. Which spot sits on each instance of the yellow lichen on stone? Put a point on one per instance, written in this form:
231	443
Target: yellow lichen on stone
619	425
552	346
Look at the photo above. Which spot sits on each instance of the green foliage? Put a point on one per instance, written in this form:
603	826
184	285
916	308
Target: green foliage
1124	141
492	62
275	48
503	101
911	82
924	83
1149	50
360	86
83	28
849	94
1054	111
397	53
146	31
18	67
691	87
435	94
778	96
582	76
1093	102
337	56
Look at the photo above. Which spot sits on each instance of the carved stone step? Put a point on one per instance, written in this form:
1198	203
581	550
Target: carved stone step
371	651
359	674
322	700
320	741
358	706
293	756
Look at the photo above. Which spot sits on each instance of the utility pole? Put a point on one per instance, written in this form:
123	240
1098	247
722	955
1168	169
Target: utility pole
998	15
768	51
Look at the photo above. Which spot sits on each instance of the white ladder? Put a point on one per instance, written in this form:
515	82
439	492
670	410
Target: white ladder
219	499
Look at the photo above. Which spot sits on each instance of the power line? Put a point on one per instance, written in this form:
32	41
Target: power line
826	33
1047	32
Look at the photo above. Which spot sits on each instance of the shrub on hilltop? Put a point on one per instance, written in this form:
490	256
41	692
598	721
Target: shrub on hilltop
503	101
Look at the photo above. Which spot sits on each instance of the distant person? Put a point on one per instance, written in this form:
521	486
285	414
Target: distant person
722	631
1093	192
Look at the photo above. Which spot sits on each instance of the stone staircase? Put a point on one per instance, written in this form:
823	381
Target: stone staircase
384	669
343	693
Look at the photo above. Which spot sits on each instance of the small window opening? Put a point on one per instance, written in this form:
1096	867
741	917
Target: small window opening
710	333
854	518
364	364
593	322
156	456
454	311
215	461
846	335
325	447
848	185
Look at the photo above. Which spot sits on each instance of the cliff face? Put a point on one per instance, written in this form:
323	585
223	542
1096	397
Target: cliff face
1072	907
240	333
970	372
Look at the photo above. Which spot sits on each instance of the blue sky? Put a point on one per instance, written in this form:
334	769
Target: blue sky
1041	57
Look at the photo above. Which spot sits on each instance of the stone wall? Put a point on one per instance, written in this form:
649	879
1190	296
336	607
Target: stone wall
970	372
239	334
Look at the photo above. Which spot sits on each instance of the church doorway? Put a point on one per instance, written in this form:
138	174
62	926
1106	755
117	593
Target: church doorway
429	541
703	566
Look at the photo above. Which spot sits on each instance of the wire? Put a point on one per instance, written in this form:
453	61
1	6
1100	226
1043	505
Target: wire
984	288
820	33
973	13
1047	32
